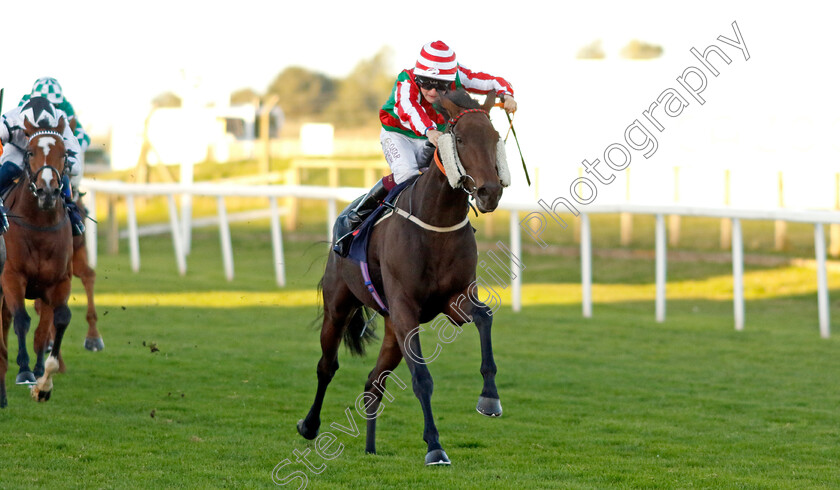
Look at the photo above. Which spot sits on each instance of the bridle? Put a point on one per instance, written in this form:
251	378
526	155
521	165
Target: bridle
33	177
452	122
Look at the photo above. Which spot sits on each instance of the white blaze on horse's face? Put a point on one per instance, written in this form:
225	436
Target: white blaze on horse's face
47	175
46	142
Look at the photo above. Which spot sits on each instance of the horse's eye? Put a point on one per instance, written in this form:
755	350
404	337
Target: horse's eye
459	140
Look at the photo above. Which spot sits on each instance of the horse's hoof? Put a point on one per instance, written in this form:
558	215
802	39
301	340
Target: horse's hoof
25	378
306	433
94	344
437	457
490	407
40	396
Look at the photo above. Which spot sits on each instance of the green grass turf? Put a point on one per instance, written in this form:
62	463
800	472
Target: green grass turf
615	401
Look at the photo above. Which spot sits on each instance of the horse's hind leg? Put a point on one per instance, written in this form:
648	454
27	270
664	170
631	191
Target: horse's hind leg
43	387
81	269
488	401
389	358
338	309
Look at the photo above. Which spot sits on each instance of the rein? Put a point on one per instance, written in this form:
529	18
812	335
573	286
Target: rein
20	221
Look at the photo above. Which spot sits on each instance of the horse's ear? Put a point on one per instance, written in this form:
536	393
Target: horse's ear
28	128
489	101
73	123
61	123
450	108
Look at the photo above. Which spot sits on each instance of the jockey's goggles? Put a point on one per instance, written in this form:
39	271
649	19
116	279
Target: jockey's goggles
431	83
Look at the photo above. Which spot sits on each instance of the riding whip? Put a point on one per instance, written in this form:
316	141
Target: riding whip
512	130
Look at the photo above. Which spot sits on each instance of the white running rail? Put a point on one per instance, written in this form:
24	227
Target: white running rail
517	210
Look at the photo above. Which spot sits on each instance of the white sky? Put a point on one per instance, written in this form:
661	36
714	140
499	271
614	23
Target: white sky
112	58
108	54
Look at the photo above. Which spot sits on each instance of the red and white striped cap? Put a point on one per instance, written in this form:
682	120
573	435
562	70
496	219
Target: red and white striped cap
437	60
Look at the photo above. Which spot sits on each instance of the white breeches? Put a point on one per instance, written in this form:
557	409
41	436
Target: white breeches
401	152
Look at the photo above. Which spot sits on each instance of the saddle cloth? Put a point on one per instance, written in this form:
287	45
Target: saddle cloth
361	237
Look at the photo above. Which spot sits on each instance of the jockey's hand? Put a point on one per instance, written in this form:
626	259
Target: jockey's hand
433	135
510	104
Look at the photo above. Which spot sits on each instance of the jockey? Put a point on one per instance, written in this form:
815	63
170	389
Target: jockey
51	89
39	112
410	122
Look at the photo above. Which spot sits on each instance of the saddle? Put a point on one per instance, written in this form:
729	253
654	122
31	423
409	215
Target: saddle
361	235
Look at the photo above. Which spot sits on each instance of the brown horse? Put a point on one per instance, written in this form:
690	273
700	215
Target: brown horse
423	270
39	247
83	270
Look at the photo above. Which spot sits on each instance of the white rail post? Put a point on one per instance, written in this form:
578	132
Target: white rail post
822	281
224	236
586	265
277	243
516	251
661	253
177	237
738	273
133	242
187	177
90	229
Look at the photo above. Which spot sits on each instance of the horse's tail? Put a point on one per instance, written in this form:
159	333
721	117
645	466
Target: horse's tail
360	330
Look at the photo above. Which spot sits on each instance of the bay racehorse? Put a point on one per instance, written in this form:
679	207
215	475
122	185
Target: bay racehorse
39	247
423	261
83	270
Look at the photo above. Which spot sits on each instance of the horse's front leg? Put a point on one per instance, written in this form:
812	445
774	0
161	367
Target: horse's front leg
421	380
488	401
13	293
5	324
43	336
21	325
43	386
55	299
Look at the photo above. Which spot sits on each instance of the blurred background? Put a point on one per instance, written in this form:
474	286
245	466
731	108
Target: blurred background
282	82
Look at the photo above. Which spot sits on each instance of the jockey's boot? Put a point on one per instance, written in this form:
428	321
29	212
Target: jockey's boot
76	220
349	220
8	173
